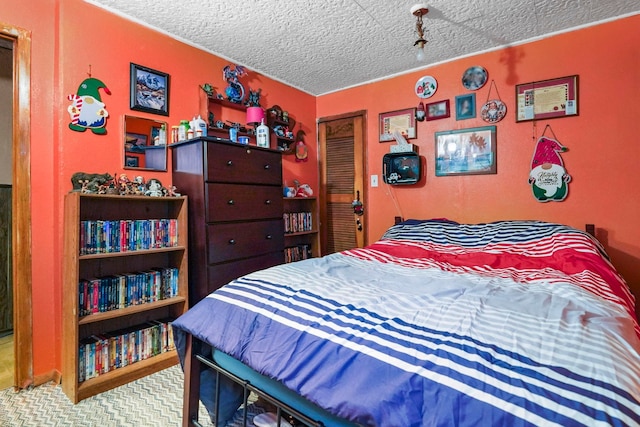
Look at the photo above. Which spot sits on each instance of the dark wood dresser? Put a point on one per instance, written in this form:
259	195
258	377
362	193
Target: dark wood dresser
235	210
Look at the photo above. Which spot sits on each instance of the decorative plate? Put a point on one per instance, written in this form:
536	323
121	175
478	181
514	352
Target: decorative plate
493	111
474	77
426	87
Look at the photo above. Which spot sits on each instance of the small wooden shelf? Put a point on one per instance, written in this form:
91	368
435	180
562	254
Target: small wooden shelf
311	238
112	314
141	252
125	375
226	103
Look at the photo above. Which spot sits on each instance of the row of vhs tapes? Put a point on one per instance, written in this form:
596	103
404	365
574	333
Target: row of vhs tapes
103	353
118	291
102	236
296	222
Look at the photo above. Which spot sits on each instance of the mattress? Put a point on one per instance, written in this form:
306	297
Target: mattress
511	323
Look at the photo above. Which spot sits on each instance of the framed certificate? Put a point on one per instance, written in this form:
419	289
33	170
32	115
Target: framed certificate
402	121
547	99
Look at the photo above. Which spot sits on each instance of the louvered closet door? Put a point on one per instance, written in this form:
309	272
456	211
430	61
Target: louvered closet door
342	180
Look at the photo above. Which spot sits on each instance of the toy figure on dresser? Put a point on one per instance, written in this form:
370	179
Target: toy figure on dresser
235	91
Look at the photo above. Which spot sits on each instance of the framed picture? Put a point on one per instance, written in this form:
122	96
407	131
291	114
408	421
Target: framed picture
466	151
437	110
403	121
131	161
465	106
149	90
135	142
547	99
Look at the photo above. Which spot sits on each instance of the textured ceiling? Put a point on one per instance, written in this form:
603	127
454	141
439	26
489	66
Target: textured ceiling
328	45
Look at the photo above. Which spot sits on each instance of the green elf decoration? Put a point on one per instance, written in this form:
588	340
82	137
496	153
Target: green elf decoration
548	178
87	109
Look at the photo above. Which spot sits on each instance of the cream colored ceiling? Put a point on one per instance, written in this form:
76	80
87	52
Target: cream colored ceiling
326	45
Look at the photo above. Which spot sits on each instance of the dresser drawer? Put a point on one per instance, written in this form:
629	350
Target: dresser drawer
242	164
226	242
237	202
221	274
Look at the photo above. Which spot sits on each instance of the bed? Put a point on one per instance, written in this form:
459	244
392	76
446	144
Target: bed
509	323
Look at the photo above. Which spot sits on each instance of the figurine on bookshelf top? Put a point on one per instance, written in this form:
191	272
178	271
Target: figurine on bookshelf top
95	183
90	182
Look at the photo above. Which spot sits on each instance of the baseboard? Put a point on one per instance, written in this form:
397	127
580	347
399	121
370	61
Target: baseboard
53	376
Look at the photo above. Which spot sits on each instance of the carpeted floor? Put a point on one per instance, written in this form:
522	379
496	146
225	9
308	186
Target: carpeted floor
153	401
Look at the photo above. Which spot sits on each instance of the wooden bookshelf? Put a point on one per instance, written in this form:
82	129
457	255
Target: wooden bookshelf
302	236
90	207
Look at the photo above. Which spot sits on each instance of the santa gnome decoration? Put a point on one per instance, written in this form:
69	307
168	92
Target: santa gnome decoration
87	109
548	178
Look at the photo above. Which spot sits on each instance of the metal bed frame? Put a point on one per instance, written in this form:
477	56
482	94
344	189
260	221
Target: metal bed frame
195	361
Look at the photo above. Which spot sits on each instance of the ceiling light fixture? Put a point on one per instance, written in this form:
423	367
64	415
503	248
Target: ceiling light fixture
419	10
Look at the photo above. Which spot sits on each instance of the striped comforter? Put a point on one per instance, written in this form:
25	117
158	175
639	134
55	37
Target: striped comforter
512	323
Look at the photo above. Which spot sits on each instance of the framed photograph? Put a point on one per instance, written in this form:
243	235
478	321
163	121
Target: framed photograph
466	151
403	121
547	99
131	161
437	110
149	90
135	142
465	106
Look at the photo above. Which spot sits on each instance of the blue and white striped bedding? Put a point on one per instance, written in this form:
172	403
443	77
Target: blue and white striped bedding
512	323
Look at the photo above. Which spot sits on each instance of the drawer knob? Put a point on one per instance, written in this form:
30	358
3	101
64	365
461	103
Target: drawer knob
267	167
267	202
231	202
269	237
232	241
229	163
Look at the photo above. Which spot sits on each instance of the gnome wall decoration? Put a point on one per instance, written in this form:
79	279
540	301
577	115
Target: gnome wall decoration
548	178
87	109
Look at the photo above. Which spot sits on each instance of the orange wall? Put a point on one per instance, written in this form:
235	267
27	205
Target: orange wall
71	36
603	151
68	39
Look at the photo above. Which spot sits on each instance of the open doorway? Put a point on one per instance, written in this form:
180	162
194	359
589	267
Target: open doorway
17	44
7	364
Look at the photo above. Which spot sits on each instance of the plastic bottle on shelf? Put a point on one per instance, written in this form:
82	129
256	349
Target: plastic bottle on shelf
262	135
200	126
182	130
233	133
